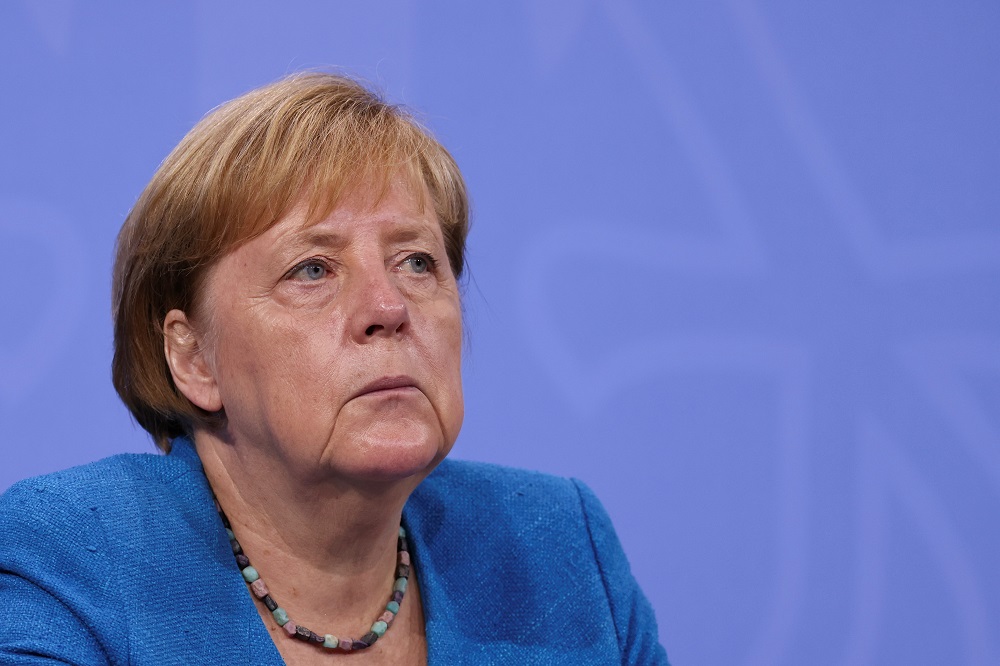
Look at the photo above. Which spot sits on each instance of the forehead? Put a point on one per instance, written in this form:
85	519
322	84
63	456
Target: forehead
394	213
397	203
324	189
369	190
399	192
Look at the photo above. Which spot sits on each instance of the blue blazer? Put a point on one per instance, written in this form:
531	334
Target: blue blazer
125	561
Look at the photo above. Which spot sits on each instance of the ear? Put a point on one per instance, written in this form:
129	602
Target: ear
193	375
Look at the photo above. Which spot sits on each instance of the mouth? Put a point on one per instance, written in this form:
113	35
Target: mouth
399	383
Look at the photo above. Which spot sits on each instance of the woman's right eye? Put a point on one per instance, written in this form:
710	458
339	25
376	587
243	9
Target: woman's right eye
309	271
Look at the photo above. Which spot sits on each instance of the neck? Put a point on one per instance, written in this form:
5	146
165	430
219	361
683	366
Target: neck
325	545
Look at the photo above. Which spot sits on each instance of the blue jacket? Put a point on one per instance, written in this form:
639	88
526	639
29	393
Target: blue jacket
125	561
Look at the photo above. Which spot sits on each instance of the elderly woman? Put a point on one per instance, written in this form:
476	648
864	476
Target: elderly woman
288	329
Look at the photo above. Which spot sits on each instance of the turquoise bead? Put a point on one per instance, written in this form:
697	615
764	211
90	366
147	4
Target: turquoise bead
331	641
400	585
402	532
379	628
250	574
392	607
229	533
280	616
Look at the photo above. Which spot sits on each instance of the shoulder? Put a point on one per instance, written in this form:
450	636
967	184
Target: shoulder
110	483
100	482
492	516
60	558
104	550
62	519
474	494
66	518
513	510
515	547
90	478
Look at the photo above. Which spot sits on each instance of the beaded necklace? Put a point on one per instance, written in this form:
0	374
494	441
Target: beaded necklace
329	641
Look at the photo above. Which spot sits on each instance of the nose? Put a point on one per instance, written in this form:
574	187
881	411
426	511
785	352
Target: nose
380	308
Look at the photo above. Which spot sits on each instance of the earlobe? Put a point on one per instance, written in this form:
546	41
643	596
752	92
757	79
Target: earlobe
193	375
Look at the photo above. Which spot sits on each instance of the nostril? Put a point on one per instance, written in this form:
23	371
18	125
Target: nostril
371	329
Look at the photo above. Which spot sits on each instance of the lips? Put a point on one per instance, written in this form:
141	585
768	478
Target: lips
384	384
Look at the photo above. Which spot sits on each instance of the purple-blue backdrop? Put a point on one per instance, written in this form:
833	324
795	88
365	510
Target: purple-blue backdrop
734	264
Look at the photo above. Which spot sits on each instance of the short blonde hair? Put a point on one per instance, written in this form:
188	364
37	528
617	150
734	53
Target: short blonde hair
309	136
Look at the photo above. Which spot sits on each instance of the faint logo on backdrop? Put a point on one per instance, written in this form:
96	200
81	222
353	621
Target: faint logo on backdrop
936	365
43	291
588	380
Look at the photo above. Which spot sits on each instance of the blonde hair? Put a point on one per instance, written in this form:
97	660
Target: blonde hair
313	137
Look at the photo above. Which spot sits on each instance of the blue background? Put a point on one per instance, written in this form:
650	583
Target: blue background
734	264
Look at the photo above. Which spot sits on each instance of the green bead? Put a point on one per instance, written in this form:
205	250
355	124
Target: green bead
331	641
229	533
379	628
400	585
280	616
250	574
392	607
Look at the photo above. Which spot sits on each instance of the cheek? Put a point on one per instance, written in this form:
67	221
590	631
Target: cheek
252	357
444	339
446	360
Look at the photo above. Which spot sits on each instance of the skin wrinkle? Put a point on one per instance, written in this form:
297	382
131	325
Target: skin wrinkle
286	357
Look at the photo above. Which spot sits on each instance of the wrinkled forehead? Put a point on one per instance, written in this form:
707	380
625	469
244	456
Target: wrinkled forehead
366	187
316	202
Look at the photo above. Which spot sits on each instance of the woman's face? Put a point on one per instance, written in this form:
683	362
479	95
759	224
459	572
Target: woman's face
336	346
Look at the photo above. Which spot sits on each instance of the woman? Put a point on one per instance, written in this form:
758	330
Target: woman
288	329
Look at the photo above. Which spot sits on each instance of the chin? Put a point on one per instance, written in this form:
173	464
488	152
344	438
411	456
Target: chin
393	454
388	438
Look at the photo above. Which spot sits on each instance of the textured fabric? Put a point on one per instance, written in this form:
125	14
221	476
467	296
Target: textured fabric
125	561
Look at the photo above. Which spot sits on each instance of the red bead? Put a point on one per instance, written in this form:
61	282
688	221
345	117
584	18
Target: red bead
259	588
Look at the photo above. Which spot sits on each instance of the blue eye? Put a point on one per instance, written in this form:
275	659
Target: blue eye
309	271
420	263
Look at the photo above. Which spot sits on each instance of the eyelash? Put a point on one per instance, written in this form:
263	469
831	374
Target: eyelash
432	264
314	261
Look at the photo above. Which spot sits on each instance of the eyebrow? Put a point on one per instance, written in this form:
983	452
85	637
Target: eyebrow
310	238
410	232
405	232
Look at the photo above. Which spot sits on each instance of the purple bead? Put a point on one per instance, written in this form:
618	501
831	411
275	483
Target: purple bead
243	561
403	571
290	628
346	644
302	633
397	597
404	558
387	617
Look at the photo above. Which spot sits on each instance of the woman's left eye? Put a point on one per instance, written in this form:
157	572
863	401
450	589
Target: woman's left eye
420	262
309	271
